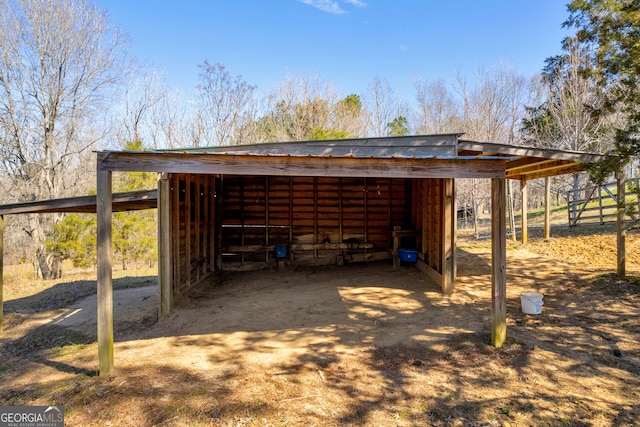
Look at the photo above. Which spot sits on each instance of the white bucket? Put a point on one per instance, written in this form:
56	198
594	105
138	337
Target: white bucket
531	302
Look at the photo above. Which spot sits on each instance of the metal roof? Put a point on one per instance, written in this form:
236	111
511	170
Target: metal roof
521	162
126	201
415	146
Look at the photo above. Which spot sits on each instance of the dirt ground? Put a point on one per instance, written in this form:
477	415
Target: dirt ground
359	345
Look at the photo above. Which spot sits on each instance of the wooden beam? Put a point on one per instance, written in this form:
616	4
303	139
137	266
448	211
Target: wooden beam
104	274
529	165
543	173
547	208
302	166
524	211
126	201
620	225
498	263
1	272
448	236
544	153
164	245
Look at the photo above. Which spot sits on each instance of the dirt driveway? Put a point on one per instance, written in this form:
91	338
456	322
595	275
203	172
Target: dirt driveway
353	345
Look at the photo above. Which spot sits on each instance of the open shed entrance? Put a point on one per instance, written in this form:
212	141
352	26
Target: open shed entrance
324	201
243	222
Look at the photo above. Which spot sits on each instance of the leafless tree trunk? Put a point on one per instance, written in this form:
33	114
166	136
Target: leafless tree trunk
58	61
226	105
492	107
297	107
383	106
571	99
438	111
144	91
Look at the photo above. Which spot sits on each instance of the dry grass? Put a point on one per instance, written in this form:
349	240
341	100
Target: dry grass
358	346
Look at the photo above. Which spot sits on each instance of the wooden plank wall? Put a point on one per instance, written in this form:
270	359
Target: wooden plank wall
427	203
192	228
322	220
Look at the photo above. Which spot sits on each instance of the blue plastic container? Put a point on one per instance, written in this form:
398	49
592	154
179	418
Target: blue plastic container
408	255
281	251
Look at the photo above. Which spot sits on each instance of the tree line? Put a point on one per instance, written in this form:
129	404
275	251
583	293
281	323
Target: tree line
69	86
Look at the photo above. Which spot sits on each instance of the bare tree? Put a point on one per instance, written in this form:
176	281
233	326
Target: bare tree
169	122
487	103
492	107
154	114
226	105
438	111
58	61
566	118
301	106
384	106
144	91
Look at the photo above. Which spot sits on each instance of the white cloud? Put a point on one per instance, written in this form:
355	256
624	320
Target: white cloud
333	6
356	3
328	6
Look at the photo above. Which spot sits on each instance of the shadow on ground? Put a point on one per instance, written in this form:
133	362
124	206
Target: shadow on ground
365	345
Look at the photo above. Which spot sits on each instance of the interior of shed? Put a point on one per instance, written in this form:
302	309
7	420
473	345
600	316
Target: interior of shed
239	222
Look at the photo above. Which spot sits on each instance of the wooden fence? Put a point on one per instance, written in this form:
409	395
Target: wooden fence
599	204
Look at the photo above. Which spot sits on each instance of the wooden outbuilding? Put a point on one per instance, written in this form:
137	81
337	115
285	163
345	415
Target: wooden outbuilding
314	203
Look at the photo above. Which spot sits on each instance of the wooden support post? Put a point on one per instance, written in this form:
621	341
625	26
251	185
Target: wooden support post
197	222
448	235
218	216
266	218
104	274
164	245
498	263
1	272
212	223
396	244
620	224
426	218
512	217
524	219
188	250
175	230
547	208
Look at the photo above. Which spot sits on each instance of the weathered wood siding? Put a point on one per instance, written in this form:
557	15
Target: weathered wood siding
192	229
322	220
235	222
433	215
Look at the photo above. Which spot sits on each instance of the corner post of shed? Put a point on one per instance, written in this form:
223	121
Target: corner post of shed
547	208
449	222
620	224
524	218
498	262
164	244
104	275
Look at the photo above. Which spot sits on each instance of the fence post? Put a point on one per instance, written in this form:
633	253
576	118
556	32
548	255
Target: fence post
524	223
547	208
620	229
569	208
600	204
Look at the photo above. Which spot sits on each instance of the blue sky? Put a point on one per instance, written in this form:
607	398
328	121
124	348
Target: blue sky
345	42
